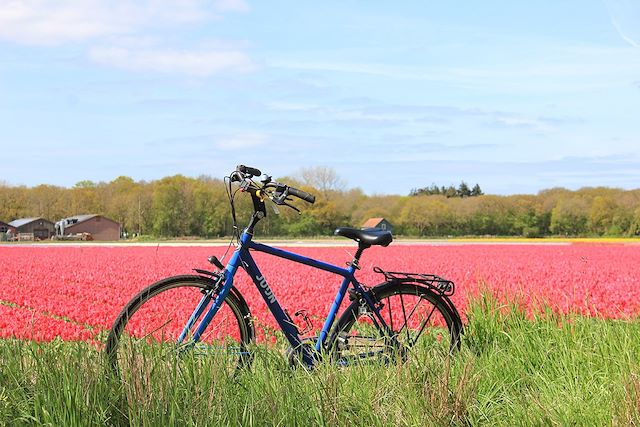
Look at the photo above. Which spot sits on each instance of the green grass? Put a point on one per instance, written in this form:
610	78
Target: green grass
512	370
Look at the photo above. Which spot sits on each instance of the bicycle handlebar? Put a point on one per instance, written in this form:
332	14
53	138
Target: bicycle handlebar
246	170
310	198
243	172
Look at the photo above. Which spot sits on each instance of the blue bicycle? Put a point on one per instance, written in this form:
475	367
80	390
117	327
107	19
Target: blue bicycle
204	314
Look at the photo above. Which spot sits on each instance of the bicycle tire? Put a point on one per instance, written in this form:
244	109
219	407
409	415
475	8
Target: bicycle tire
418	317
142	344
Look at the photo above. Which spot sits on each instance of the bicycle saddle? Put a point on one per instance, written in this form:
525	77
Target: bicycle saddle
367	237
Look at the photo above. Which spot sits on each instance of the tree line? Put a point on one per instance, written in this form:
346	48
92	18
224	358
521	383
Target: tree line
463	190
184	206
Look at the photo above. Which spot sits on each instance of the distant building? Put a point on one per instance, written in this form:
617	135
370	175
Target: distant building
6	231
41	228
380	223
4	227
100	227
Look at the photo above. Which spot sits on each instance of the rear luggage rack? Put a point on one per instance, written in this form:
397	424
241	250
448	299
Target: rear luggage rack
437	283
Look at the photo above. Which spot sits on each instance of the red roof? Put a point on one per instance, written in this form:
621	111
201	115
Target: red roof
372	222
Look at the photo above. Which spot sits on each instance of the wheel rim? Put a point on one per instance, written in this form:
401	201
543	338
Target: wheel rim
148	357
421	326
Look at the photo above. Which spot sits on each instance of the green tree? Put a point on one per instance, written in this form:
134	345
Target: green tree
84	199
426	215
634	227
464	190
210	216
304	225
601	214
528	218
476	191
48	201
172	206
14	203
569	217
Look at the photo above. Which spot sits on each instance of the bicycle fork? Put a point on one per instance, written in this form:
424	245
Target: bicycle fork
222	287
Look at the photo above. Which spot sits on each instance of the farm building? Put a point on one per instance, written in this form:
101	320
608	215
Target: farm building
98	226
380	223
4	227
39	228
6	230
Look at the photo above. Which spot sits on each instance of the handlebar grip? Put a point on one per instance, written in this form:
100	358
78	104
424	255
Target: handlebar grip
248	170
302	195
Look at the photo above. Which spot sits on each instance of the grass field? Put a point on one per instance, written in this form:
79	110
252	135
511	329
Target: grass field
512	370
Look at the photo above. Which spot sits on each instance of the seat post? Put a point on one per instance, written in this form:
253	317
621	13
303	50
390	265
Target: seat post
356	258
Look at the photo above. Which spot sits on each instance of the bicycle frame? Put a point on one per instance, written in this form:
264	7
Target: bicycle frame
242	258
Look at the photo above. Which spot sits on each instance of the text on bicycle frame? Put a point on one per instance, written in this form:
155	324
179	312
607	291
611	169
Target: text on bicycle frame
267	290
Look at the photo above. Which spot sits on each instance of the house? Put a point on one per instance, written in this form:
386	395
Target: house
100	227
380	223
4	227
6	230
39	228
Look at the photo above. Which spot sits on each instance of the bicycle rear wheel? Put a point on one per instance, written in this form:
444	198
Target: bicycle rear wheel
144	350
420	322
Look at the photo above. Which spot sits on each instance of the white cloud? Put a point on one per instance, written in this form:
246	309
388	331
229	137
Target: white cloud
625	17
41	22
120	33
53	22
200	63
242	141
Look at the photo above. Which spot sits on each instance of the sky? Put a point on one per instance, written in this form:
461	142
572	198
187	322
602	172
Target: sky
515	96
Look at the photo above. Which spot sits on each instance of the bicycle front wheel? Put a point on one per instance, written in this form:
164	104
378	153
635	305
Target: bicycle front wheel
145	348
420	322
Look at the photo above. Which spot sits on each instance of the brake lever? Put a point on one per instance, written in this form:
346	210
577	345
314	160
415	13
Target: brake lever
280	194
291	206
281	197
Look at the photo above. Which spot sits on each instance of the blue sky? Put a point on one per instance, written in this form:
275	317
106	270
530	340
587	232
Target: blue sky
515	96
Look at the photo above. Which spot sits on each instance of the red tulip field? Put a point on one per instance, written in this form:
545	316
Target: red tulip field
75	292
